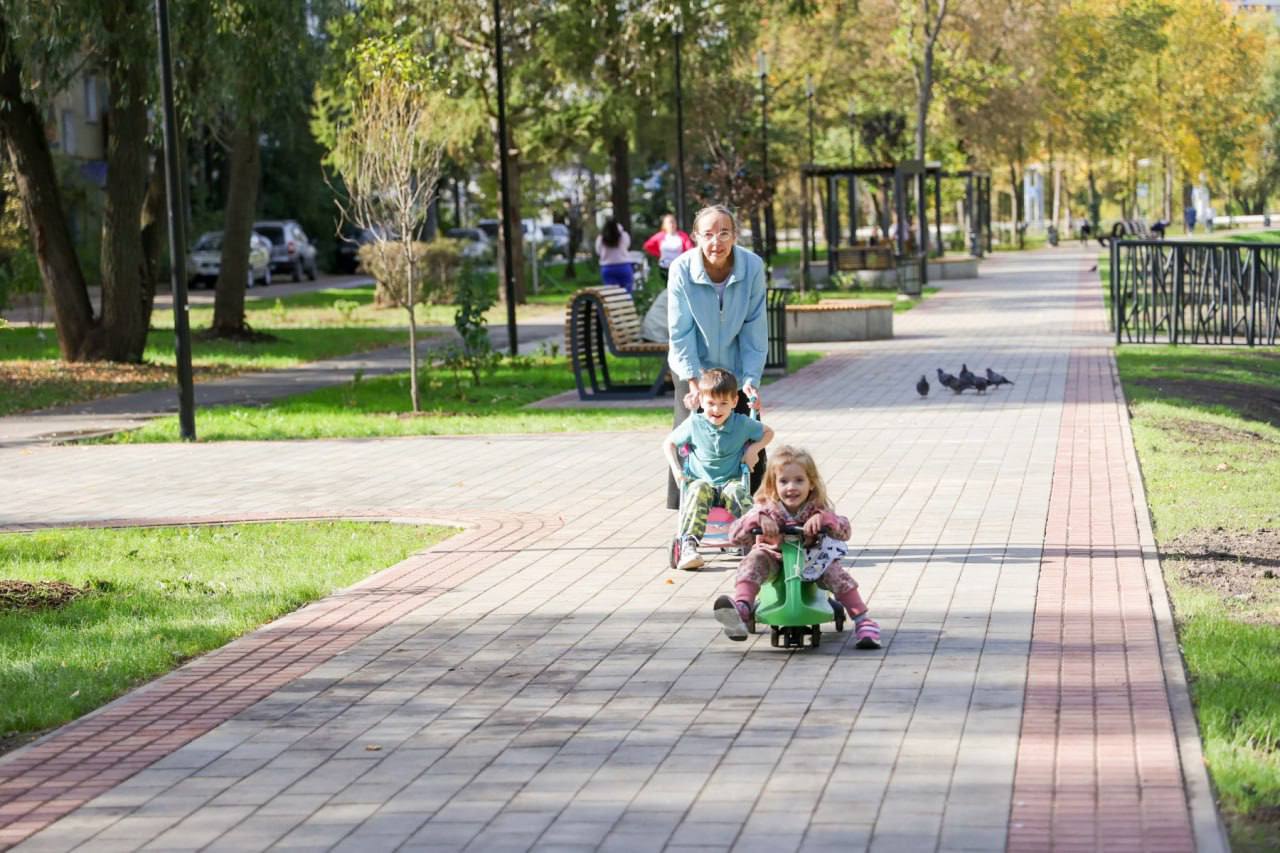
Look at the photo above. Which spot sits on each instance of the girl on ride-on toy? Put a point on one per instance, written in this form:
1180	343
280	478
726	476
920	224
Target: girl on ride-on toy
792	493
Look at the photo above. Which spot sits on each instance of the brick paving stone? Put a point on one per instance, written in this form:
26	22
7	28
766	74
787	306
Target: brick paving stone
542	681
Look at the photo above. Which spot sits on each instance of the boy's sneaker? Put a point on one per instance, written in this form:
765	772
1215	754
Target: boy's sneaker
736	616
867	630
689	557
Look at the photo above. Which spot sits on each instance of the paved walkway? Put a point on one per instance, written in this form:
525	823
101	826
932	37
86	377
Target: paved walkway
544	682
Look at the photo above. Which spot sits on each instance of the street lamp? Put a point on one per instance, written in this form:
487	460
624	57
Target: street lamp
810	246
680	203
508	257
853	179
177	240
762	63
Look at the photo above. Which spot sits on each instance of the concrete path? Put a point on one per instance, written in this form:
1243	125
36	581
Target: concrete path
543	681
129	411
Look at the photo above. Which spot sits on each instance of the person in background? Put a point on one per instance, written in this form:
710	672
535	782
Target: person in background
667	244
612	246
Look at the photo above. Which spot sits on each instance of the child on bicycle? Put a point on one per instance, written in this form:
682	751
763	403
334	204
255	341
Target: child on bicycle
792	493
718	442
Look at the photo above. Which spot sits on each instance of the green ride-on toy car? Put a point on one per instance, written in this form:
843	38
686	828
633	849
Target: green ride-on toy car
792	607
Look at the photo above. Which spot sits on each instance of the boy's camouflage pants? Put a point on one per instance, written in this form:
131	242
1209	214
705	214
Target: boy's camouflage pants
700	496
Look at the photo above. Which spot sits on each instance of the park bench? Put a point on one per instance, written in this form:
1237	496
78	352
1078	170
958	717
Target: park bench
603	320
864	257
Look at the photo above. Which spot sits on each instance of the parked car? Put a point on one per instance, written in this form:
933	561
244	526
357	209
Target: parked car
558	237
490	229
205	261
291	251
346	254
475	246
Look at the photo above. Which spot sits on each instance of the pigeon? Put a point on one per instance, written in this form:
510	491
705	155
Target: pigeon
947	380
966	375
980	383
962	384
996	379
922	387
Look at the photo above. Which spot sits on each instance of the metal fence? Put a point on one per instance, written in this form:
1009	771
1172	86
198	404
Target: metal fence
1183	292
776	308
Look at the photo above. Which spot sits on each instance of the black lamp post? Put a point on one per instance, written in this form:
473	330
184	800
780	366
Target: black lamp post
853	180
177	239
508	256
680	203
762	61
809	248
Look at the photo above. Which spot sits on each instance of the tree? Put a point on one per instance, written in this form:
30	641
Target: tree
44	45
260	53
388	152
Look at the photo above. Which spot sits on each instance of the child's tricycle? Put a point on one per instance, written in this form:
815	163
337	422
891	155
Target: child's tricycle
791	606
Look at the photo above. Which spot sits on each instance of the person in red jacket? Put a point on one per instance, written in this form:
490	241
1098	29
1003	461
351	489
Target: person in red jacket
668	244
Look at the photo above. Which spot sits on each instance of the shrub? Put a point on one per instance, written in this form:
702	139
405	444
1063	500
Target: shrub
436	266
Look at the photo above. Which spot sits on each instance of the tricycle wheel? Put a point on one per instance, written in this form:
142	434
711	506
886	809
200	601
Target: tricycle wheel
675	552
838	610
775	636
815	636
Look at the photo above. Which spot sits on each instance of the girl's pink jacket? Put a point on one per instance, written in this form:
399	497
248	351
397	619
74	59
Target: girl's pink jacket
740	533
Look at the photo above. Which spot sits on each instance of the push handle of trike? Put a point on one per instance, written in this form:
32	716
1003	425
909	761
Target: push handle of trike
785	529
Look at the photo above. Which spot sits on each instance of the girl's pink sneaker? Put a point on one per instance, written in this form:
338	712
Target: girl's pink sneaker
868	632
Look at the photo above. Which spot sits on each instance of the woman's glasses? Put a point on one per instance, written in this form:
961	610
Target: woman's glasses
722	236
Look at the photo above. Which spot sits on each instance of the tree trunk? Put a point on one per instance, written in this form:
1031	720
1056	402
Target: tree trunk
757	233
1095	201
154	235
620	170
27	147
242	199
1019	205
121	334
770	229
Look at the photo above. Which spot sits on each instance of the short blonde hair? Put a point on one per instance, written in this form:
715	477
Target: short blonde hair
715	210
788	455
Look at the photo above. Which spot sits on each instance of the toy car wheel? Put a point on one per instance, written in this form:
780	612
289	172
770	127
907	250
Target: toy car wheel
675	552
838	610
775	636
815	636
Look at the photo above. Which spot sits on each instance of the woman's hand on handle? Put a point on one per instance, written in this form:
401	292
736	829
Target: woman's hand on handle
692	398
753	394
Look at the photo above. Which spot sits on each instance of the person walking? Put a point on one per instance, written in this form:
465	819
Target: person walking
612	246
716	318
667	244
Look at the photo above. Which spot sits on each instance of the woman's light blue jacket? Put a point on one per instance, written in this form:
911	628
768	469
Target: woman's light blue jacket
703	333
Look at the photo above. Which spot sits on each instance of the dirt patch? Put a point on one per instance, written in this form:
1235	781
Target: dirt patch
1214	435
13	740
1241	568
35	384
1254	402
40	595
246	334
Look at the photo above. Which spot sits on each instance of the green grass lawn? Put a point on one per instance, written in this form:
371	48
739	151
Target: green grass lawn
306	327
1206	423
380	407
158	597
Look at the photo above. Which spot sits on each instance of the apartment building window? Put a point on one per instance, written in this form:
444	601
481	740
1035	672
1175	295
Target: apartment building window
69	132
91	110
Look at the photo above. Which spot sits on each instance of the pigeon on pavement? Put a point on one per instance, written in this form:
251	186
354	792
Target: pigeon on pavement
996	379
947	380
922	387
966	375
980	383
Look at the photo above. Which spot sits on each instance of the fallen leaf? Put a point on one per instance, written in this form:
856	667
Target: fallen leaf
669	580
372	747
74	695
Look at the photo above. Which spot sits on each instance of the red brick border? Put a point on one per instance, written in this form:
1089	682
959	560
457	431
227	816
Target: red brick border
85	758
1098	758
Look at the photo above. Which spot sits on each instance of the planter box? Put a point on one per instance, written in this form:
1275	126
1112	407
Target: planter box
840	320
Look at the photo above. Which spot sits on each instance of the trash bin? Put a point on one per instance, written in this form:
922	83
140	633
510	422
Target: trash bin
1053	235
776	307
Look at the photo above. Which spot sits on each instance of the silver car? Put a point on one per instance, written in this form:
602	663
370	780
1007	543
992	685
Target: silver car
205	261
291	251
